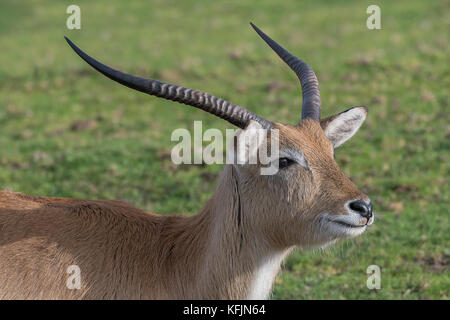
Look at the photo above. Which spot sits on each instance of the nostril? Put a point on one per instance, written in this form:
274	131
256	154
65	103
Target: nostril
363	208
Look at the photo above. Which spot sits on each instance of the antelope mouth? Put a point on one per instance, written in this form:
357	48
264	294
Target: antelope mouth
348	225
350	221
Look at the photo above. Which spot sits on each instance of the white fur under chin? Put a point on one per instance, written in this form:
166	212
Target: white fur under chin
331	230
261	285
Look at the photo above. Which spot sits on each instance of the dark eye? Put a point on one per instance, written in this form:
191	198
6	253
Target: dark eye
284	163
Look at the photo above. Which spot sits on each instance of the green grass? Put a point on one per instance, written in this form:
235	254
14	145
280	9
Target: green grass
67	131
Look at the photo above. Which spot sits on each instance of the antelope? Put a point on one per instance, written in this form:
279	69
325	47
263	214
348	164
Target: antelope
232	249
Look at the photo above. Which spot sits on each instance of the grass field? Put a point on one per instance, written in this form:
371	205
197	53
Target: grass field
67	131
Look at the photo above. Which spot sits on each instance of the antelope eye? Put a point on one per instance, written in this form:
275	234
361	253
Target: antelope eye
285	162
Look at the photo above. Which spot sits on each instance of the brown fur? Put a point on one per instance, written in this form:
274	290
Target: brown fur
126	253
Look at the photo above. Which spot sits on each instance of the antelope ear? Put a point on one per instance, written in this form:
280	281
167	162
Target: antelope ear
243	149
341	127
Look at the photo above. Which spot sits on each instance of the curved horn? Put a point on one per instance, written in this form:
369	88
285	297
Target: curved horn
307	77
234	114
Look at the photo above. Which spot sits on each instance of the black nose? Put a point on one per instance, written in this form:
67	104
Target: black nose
362	207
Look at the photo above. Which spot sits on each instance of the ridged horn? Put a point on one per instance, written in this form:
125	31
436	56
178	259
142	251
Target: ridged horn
223	109
307	77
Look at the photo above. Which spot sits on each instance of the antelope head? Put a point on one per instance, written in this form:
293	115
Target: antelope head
309	201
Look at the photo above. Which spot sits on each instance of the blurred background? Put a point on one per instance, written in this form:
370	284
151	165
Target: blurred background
67	131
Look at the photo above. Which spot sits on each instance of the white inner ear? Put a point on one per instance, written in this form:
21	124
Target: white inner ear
345	125
243	149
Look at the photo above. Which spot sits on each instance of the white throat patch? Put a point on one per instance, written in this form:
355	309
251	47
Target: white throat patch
261	285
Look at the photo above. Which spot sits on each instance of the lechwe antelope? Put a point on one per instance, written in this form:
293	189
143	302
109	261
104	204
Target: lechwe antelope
232	249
